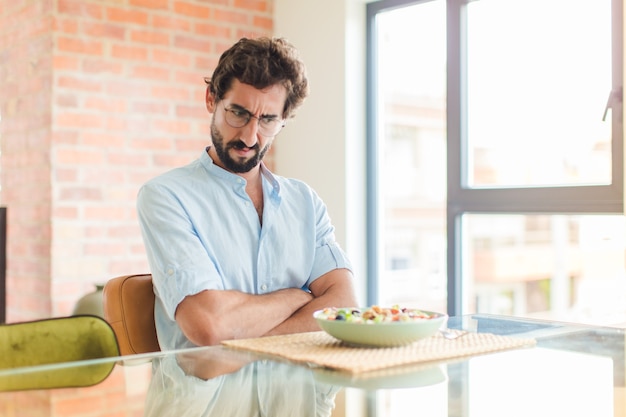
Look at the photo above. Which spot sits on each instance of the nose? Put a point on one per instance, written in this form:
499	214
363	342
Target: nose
250	133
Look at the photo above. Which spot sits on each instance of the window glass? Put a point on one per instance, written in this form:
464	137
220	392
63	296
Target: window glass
547	266
412	154
539	76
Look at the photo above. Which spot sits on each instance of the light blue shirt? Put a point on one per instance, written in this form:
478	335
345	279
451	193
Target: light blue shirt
201	231
262	388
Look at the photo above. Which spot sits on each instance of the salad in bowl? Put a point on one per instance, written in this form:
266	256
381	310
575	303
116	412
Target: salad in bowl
379	326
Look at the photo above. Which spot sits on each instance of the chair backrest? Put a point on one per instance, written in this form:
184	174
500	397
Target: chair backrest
129	309
53	341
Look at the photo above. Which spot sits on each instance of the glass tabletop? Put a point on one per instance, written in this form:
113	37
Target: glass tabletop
573	370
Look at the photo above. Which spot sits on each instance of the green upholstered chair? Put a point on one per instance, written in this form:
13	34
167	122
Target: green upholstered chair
30	352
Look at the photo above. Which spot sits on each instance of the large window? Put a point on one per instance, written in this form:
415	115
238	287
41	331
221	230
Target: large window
496	157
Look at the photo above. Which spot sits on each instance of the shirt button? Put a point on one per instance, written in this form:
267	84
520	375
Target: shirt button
170	272
264	287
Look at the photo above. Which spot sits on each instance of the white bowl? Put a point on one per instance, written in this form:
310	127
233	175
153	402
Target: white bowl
394	333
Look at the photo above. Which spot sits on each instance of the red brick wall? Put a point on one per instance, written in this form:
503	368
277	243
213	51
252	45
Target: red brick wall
98	96
26	84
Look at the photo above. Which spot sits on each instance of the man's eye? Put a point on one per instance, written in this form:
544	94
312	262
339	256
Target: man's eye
241	114
269	121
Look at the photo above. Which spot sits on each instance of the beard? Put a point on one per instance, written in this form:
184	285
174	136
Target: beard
238	165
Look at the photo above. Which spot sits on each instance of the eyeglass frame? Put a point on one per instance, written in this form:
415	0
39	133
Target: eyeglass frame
249	116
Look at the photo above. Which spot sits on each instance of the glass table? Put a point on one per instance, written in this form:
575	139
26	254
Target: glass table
573	370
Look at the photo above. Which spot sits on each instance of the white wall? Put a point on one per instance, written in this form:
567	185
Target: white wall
325	144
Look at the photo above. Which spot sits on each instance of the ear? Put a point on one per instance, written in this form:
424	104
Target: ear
210	101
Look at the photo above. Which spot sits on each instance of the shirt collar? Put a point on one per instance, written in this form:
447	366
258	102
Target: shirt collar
220	172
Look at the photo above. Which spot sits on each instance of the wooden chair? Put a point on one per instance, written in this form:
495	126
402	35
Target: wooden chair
129	309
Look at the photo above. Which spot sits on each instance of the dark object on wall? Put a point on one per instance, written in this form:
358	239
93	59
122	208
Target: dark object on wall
3	264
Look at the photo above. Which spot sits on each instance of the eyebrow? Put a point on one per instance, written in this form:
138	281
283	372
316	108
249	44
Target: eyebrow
263	116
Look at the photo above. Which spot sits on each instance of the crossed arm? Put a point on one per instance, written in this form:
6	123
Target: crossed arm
211	316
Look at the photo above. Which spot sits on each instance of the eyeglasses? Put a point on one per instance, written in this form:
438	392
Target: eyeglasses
239	117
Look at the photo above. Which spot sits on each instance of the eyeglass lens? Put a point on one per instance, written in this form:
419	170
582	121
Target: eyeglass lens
268	126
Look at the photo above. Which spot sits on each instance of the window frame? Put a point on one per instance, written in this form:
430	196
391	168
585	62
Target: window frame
461	199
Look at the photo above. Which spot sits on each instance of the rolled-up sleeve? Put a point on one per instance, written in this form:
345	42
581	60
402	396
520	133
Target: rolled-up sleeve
179	263
328	257
328	253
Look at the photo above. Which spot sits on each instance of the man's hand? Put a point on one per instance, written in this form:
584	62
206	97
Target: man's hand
333	289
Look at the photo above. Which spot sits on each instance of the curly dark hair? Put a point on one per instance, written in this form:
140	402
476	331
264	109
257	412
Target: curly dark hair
261	63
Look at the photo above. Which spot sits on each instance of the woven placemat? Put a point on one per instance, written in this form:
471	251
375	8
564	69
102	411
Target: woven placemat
321	349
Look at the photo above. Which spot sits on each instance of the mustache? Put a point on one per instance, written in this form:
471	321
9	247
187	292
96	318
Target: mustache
239	145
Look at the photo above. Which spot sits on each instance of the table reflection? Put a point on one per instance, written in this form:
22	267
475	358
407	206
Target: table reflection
573	371
570	384
231	383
